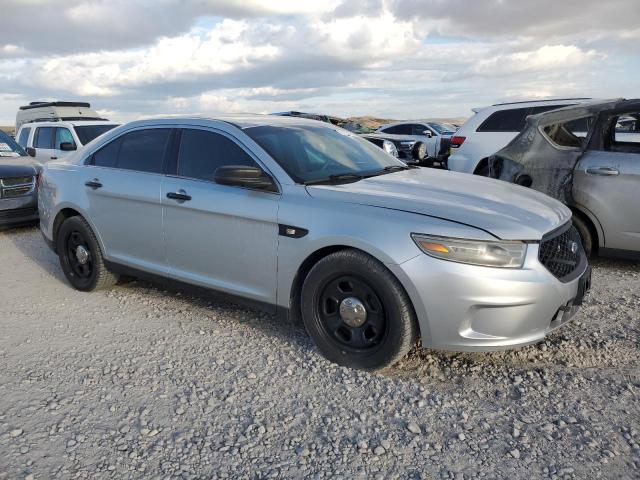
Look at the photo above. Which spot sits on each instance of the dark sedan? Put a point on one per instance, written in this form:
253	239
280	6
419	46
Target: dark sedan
18	189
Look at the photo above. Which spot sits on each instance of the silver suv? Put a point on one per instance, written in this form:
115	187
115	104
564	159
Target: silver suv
305	217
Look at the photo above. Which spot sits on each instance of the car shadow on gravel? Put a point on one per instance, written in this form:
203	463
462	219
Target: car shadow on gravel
29	241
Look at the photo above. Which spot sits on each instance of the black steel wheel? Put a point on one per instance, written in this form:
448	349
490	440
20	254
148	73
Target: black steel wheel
352	313
81	257
357	312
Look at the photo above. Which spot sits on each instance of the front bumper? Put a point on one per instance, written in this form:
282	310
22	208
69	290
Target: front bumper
471	308
19	210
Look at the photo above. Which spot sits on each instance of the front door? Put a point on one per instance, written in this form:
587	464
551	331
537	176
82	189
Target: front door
43	139
607	183
219	236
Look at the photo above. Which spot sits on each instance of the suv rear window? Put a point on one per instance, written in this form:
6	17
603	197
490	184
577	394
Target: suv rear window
512	120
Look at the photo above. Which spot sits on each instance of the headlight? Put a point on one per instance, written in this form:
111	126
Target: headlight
474	252
390	148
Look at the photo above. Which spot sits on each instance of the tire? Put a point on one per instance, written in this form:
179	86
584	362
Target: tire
91	275
389	327
585	234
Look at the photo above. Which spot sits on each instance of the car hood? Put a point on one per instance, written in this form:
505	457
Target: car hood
17	167
506	211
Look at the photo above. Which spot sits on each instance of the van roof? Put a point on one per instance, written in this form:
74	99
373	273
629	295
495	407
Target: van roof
54	104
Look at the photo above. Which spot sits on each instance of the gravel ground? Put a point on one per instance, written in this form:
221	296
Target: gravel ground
138	382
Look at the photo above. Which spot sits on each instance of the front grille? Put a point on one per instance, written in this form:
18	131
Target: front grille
16	186
562	254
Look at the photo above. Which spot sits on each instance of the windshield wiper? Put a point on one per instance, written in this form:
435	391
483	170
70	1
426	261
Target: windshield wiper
337	178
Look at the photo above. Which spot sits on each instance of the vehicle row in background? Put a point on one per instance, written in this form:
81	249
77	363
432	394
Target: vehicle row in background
588	157
18	178
492	128
436	137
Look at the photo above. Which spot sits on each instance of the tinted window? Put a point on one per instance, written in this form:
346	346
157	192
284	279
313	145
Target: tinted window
505	121
418	129
107	156
398	130
143	150
311	154
44	137
202	152
24	137
63	135
86	133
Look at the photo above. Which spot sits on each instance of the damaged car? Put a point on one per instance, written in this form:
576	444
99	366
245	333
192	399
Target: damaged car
411	152
588	157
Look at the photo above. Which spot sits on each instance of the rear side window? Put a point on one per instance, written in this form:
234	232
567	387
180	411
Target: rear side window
24	137
143	150
202	152
569	134
505	121
44	137
512	120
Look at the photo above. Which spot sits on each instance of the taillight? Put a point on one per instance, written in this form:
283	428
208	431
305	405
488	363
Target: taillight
457	141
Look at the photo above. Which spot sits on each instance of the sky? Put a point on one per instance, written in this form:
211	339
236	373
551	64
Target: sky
397	59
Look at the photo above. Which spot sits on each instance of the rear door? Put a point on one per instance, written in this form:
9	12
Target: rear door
607	182
221	237
123	186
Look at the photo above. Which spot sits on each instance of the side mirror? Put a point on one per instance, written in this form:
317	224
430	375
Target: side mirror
68	147
247	177
30	151
427	133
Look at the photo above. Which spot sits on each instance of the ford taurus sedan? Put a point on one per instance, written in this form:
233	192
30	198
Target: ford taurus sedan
301	216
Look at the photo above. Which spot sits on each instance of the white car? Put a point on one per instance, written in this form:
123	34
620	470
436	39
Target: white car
434	135
52	140
491	129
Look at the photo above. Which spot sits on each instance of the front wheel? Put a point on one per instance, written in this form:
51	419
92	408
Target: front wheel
81	257
356	311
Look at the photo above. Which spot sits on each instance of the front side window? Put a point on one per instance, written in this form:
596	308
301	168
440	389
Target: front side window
202	153
312	154
143	150
63	135
625	135
107	156
44	137
418	129
23	139
398	130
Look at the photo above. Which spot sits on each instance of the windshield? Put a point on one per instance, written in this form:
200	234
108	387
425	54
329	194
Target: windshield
86	133
313	154
9	147
443	128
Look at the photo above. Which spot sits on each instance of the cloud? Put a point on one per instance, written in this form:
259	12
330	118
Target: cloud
402	58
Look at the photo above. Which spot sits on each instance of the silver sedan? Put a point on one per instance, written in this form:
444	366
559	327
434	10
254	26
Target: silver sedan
300	216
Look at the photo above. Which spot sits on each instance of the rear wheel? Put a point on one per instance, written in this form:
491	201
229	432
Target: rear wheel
585	234
81	258
357	312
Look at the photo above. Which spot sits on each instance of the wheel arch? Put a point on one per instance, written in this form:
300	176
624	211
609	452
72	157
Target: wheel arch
480	165
62	215
312	259
593	225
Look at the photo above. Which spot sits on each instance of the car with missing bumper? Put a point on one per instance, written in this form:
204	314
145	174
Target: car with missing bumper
18	190
295	215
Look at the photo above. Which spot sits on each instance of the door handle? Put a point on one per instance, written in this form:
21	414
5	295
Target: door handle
180	195
54	158
608	171
95	183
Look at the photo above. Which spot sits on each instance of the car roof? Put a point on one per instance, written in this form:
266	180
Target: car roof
531	103
66	123
241	121
584	109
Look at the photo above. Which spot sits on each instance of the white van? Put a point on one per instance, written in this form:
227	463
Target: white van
52	140
55	111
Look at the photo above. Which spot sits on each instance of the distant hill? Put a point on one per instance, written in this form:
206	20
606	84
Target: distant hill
9	130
